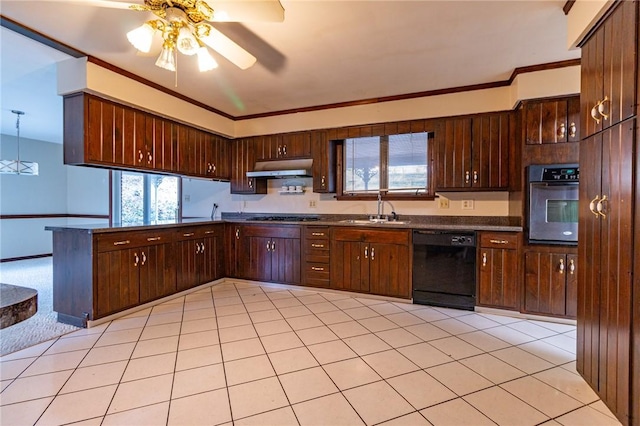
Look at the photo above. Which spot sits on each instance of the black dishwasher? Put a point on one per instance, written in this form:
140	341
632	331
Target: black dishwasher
444	268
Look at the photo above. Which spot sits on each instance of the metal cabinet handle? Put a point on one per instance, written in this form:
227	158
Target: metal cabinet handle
237	233
561	266
144	258
323	181
484	259
137	259
562	130
121	243
315	268
475	176
202	247
600	207
279	150
213	168
251	183
317	245
149	157
140	156
197	248
467	177
190	234
284	150
273	246
573	130
592	205
318	234
594	113
268	245
154	238
366	252
373	254
209	232
601	108
499	241
572	266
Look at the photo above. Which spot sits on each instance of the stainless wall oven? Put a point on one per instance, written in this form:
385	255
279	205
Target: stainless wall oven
553	203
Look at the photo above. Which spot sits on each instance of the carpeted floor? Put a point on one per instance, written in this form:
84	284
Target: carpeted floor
36	274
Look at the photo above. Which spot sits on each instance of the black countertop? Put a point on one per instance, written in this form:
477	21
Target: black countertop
468	223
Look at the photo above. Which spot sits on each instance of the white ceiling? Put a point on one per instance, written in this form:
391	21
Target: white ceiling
324	52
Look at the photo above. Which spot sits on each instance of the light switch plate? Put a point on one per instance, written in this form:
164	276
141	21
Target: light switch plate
467	205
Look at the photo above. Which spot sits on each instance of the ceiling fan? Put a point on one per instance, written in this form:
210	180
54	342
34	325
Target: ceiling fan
185	27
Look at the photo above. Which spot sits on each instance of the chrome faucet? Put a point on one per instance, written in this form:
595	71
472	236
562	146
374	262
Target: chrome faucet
380	205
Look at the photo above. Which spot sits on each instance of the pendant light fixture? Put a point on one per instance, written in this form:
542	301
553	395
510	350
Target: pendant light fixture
17	166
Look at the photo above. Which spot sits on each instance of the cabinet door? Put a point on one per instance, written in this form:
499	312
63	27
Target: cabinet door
572	286
117	277
498	278
545	283
285	260
157	273
208	263
186	264
350	266
454	155
259	260
589	254
243	160
295	145
609	64
389	274
490	151
324	164
605	264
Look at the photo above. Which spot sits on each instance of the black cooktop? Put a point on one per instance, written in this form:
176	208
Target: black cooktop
285	218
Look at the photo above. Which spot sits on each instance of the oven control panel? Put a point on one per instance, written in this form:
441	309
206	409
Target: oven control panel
554	173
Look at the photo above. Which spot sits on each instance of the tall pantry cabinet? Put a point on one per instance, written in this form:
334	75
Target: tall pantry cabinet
608	313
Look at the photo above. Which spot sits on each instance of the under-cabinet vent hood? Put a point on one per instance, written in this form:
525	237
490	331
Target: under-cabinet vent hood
281	169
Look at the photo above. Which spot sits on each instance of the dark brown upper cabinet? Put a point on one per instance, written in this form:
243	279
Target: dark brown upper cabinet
473	153
552	121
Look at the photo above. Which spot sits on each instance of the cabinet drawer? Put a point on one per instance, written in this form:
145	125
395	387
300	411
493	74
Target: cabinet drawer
125	240
192	232
316	246
372	235
317	272
316	232
499	240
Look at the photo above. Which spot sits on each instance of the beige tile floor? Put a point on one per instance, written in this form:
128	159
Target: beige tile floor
248	354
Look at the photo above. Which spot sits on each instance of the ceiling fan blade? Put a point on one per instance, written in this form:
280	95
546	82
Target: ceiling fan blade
247	10
228	48
110	4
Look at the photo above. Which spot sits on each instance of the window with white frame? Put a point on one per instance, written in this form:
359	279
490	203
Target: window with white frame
144	197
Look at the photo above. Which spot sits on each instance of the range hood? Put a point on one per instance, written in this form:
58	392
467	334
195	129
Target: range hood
281	169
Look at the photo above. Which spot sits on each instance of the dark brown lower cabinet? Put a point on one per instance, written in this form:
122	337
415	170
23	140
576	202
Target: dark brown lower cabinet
371	261
128	273
608	332
498	270
268	253
551	283
199	255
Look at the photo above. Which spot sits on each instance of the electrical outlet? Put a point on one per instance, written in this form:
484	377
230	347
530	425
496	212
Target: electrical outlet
467	205
443	203
312	204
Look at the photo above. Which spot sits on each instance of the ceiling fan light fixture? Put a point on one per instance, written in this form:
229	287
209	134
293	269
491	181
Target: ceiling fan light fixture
187	43
206	62
142	37
167	58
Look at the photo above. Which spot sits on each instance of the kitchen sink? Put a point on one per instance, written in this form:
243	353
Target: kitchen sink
374	222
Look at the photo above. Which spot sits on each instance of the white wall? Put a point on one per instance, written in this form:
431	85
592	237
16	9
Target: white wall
198	197
58	189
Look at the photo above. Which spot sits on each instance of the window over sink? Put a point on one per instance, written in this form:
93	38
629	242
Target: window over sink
394	165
